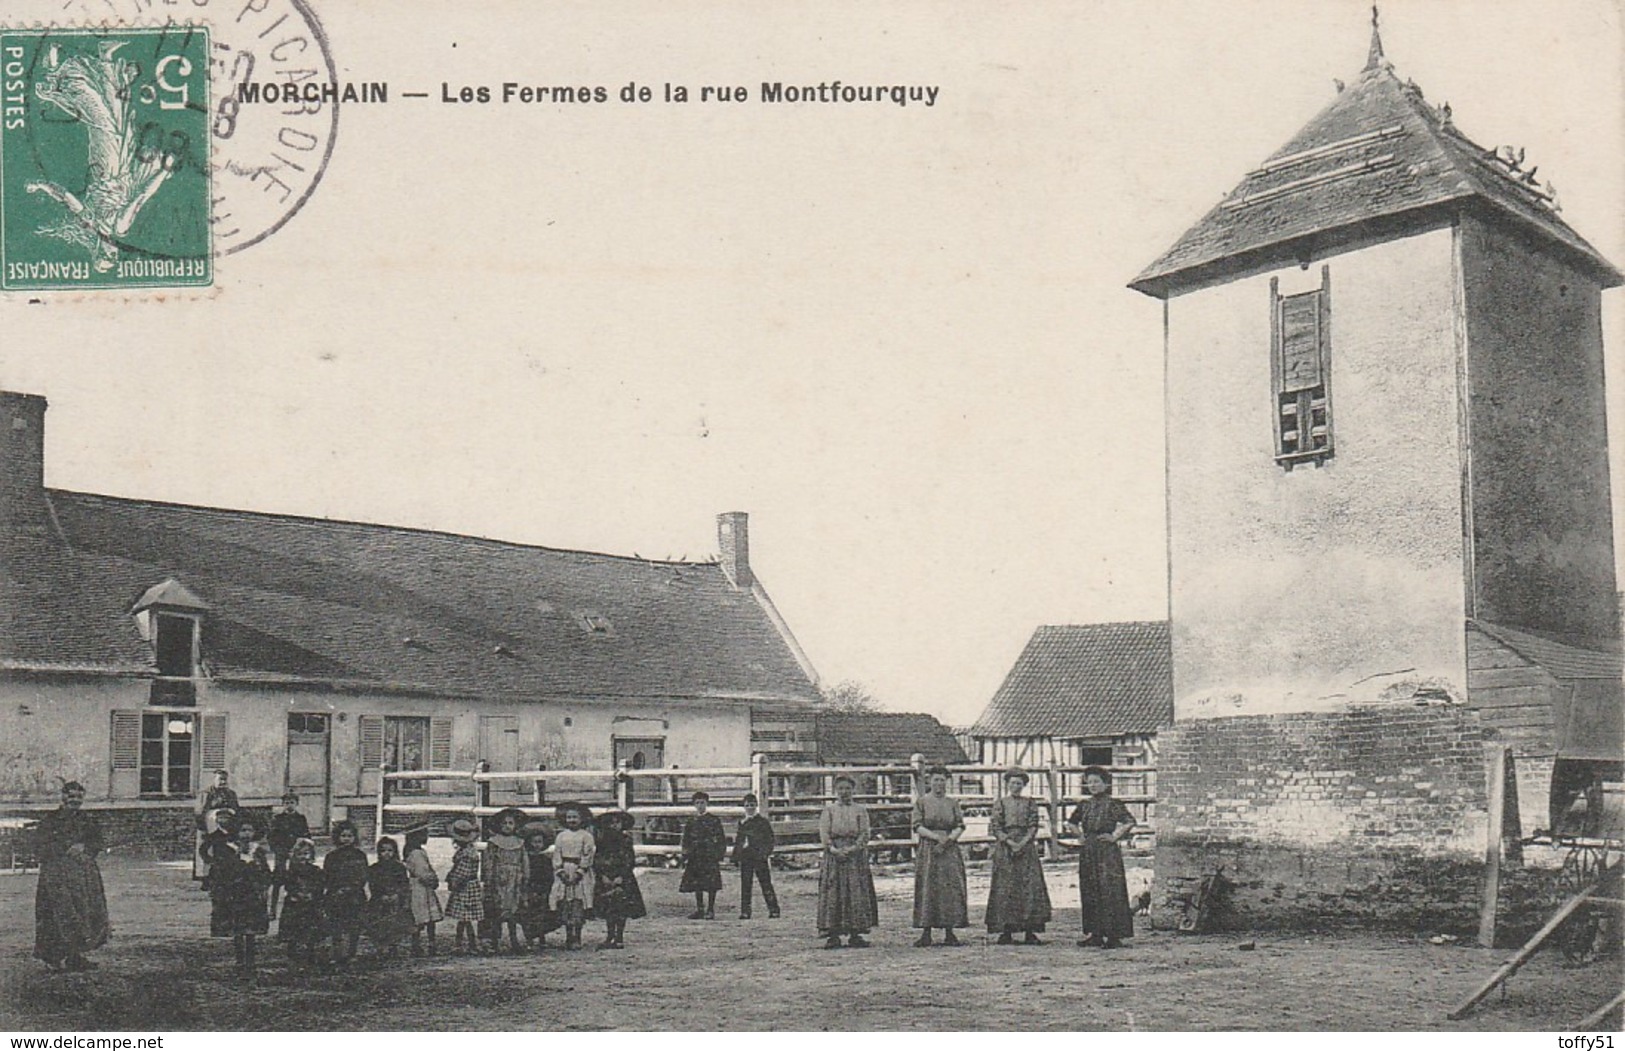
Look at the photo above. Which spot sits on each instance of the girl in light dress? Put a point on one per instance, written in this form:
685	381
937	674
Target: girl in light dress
425	896
573	853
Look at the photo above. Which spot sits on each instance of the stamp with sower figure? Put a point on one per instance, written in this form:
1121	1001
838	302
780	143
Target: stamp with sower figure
105	173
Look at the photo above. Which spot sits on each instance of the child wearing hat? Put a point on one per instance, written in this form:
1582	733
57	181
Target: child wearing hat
705	844
504	870
535	915
346	869
240	876
753	853
467	902
287	828
616	895
425	882
574	850
302	925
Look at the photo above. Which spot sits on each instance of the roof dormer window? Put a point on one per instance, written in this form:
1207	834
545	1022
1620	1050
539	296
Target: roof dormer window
174	641
170	617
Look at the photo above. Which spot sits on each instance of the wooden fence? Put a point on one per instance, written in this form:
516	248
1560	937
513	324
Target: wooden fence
792	808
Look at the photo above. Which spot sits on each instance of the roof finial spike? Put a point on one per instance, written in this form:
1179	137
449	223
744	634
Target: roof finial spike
1374	58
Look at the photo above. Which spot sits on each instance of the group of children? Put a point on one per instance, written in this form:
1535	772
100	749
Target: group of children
336	902
526	882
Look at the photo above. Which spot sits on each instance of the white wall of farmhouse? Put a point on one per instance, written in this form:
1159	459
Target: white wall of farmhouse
55	728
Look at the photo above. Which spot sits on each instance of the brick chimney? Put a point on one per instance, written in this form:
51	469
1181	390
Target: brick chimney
733	540
22	460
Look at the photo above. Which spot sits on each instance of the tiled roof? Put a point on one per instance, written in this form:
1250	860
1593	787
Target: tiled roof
884	737
1563	661
1086	680
1377	156
296	599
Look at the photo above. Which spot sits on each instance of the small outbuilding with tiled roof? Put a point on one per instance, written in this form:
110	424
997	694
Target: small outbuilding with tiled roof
1083	694
876	738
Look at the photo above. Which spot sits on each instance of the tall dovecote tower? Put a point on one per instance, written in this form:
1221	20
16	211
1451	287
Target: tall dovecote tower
1390	537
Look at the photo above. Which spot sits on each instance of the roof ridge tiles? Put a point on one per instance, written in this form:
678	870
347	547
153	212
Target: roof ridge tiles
421	531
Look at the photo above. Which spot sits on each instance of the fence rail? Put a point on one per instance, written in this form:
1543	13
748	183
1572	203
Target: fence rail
795	811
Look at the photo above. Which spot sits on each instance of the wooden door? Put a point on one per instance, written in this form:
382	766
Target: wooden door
499	746
309	765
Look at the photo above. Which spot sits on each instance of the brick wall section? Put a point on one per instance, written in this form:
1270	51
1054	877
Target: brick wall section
1374	815
165	833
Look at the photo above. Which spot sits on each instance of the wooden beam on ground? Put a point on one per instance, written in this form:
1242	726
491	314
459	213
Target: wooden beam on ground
1522	956
1592	1020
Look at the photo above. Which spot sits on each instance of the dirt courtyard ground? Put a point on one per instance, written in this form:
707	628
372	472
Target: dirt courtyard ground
161	972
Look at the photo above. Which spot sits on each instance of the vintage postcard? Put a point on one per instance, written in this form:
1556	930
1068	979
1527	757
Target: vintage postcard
524	517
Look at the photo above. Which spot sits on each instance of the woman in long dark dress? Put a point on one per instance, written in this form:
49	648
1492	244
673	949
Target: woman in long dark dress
1101	822
1018	899
846	890
939	870
70	904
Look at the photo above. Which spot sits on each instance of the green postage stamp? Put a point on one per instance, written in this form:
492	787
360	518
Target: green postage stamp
104	158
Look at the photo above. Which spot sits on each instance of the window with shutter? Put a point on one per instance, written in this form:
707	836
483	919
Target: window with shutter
126	740
372	742
1300	366
440	743
166	753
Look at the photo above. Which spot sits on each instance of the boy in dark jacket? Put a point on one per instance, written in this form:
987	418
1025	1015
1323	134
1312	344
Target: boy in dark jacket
753	852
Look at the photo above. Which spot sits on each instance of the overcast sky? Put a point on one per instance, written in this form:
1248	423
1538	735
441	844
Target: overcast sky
899	338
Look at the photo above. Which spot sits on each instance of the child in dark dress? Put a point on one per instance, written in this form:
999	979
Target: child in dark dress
705	844
534	915
239	877
753	852
389	905
287	828
346	870
616	895
303	923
